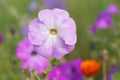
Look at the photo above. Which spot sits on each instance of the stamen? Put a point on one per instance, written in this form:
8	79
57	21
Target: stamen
53	31
33	53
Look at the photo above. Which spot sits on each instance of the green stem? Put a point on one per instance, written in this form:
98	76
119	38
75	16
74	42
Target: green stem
104	70
37	76
85	78
90	78
27	78
31	78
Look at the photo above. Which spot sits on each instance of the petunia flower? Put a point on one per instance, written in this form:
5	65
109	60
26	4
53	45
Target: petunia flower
104	19
30	58
53	33
56	74
71	69
90	67
112	71
51	4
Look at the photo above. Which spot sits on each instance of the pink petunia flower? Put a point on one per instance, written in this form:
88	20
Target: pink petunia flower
30	58
69	70
104	19
56	74
53	33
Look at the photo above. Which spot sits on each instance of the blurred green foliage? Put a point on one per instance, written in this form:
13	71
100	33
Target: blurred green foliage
84	12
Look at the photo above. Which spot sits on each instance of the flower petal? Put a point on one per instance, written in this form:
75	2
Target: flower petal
46	16
60	16
37	32
112	8
67	31
46	49
25	65
61	49
93	29
104	23
72	69
38	63
43	64
56	74
21	51
52	18
104	20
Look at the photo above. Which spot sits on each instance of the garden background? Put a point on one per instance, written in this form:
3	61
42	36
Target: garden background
15	14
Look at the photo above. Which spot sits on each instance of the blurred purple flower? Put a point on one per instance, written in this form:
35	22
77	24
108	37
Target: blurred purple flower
30	59
112	8
1	38
111	72
72	70
67	71
56	74
104	19
51	4
33	6
54	33
24	30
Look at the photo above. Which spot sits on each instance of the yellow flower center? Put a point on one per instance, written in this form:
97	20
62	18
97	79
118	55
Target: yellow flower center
53	31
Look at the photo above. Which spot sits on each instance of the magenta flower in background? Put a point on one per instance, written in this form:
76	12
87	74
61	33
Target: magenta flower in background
51	4
24	30
56	74
33	6
54	33
112	8
104	19
72	70
30	59
67	71
1	38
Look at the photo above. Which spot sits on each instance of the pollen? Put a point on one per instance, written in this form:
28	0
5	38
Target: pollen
53	31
